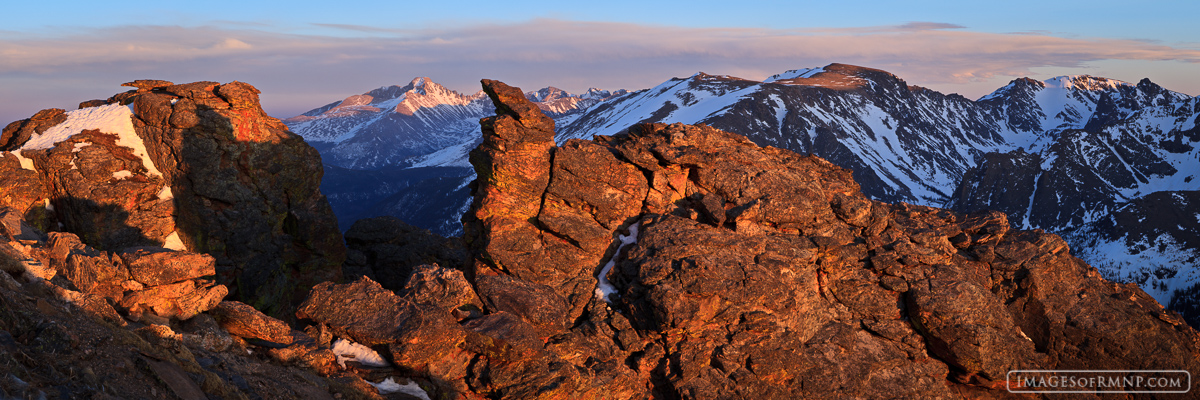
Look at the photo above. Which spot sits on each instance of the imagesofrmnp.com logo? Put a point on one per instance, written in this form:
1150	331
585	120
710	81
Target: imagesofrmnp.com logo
1099	381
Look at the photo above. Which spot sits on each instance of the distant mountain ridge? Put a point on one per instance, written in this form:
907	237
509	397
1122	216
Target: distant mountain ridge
389	125
386	151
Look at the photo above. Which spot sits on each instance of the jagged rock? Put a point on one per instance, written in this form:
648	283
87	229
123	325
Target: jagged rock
20	189
538	304
18	132
90	270
362	310
241	320
422	337
104	192
14	227
54	349
443	287
199	167
153	266
148	84
509	192
510	361
387	249
143	279
181	300
508	226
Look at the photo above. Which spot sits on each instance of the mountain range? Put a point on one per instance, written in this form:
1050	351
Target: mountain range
1109	165
389	150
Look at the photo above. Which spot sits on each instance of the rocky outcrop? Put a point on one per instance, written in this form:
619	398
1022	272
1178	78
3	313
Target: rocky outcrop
62	338
197	167
729	270
143	283
520	215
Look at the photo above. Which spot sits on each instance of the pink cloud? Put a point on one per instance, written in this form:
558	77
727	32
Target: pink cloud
298	72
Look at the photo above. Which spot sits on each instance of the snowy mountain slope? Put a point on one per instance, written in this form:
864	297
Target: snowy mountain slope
1113	169
903	143
390	125
385	126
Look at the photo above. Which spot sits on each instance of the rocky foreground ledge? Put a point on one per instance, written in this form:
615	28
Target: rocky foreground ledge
669	261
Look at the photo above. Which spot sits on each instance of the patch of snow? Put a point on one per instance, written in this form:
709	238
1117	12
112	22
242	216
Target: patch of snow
122	174
79	146
25	162
451	156
173	242
49	207
390	386
604	288
795	73
112	119
165	194
346	350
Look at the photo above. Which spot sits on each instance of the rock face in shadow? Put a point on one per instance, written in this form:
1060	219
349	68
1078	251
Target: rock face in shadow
387	249
747	272
197	167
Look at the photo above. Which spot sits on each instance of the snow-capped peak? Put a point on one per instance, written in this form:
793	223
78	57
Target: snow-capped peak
1084	82
549	93
795	73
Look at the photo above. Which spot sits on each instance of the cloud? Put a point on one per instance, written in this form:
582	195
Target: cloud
298	72
232	44
928	26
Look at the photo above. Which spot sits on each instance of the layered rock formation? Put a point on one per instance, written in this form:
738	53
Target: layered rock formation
196	167
158	203
747	272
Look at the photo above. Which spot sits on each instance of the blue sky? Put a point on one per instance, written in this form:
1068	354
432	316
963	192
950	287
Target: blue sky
304	54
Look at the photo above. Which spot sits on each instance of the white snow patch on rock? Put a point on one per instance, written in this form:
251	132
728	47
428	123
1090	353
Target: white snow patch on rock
604	288
165	194
795	73
172	242
122	174
346	350
112	119
25	162
389	385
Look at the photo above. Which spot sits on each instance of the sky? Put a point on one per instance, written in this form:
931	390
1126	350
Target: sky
305	54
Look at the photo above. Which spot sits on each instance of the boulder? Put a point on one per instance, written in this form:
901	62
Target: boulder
443	287
153	266
181	300
197	167
239	319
